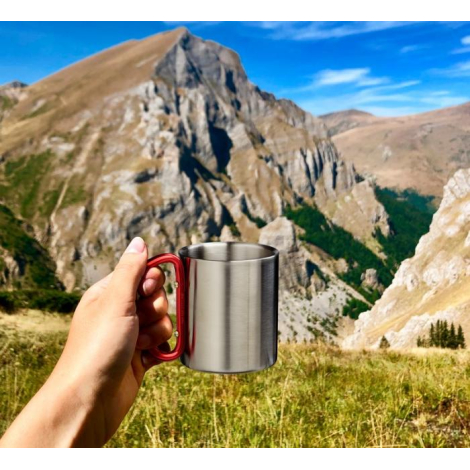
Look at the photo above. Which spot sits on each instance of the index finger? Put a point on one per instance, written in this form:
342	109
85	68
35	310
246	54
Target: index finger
153	280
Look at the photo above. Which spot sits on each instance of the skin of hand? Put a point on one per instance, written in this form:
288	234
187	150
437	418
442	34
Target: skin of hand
106	355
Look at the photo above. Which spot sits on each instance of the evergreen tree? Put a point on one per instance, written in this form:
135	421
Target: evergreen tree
432	336
445	335
460	338
452	343
384	344
419	342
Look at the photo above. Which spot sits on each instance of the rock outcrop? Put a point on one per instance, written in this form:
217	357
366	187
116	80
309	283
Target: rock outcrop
433	285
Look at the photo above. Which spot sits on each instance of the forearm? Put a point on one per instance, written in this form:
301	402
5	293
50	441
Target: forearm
57	416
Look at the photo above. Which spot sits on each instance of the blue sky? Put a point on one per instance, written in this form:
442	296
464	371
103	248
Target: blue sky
387	68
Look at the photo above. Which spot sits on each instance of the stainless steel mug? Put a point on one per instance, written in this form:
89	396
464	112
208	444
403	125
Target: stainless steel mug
226	306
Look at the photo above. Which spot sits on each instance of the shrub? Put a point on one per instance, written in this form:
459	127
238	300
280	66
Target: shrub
354	307
384	343
40	299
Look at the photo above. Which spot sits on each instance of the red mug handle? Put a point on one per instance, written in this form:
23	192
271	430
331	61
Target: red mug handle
180	306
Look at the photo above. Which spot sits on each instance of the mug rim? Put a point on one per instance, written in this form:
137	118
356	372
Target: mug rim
274	252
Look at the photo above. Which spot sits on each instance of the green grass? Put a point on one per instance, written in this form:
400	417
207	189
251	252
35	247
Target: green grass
25	176
74	195
410	215
49	201
315	396
6	103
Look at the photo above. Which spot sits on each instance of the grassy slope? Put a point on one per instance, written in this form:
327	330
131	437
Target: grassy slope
314	396
39	268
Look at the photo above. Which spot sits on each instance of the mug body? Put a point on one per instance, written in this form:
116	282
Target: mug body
231	306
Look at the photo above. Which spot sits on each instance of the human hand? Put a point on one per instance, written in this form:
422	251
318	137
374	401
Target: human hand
99	373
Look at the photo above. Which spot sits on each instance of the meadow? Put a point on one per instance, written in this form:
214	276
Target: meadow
315	396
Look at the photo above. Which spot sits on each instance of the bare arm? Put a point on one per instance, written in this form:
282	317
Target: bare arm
99	373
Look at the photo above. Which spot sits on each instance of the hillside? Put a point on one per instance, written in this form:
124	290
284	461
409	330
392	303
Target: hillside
420	152
342	121
432	285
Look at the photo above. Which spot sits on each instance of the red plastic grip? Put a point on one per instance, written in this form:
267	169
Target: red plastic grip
180	306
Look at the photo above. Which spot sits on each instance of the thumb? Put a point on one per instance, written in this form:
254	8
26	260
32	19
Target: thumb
126	276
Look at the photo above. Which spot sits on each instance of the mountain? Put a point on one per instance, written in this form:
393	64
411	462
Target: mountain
432	285
419	152
167	138
342	121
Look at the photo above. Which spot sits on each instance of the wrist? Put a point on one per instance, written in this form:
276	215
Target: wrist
57	416
76	409
71	409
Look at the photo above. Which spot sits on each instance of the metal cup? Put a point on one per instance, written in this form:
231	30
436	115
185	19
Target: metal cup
227	306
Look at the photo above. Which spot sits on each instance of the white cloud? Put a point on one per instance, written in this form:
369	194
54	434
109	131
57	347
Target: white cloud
412	48
461	69
358	77
385	100
400	85
440	93
462	50
319	30
442	101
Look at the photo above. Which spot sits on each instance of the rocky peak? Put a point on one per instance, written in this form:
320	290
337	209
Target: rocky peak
15	84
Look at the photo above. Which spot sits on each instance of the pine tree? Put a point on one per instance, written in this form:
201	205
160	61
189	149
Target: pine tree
384	344
445	335
432	336
460	338
452	342
419	342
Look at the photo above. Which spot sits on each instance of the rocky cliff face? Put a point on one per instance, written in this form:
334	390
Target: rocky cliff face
167	138
433	285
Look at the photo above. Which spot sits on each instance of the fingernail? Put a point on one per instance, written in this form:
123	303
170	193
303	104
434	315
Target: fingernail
144	341
137	245
149	286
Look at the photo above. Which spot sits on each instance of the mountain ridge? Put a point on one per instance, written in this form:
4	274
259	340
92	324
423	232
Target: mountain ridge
420	151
